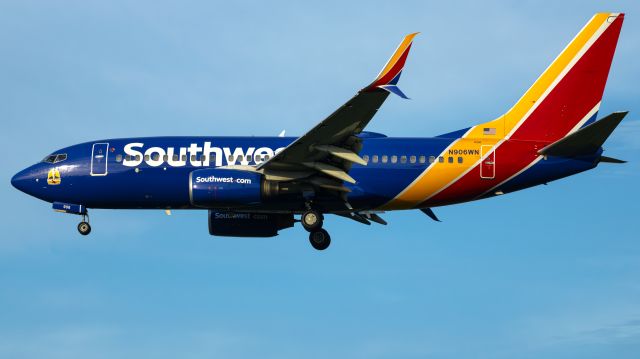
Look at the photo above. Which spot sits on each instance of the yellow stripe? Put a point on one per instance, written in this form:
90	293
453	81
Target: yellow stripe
396	55
439	175
526	102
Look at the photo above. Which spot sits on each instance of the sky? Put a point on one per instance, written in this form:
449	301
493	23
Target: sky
550	272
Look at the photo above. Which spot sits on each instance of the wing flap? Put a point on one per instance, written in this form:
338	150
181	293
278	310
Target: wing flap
343	153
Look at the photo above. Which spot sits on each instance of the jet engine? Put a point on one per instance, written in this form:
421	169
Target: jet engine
227	188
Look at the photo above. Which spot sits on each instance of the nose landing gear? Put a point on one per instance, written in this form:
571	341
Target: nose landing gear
83	227
312	221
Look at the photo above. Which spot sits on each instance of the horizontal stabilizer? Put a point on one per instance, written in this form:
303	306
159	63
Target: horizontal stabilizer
587	140
611	160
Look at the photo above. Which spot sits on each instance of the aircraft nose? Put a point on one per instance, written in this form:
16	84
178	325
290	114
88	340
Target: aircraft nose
21	180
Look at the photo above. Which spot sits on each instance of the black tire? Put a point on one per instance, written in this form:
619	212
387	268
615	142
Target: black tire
311	220
320	239
84	228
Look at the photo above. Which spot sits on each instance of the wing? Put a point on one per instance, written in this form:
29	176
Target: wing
326	152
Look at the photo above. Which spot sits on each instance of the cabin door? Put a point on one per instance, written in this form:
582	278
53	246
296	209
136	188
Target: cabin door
488	164
99	157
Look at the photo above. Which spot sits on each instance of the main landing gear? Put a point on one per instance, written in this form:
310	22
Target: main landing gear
312	221
83	227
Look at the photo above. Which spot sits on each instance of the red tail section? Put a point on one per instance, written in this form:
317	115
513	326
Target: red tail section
579	77
563	99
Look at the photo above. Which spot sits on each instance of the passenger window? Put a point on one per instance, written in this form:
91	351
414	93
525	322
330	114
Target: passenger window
184	158
459	159
394	159
175	158
365	158
385	159
441	159
423	159
432	159
146	157
203	158
248	158
118	158
193	158
138	157
165	158
450	159
403	159
156	156
374	158
230	158
127	157
412	159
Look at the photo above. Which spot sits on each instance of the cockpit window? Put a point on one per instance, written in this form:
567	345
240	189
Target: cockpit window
59	157
50	159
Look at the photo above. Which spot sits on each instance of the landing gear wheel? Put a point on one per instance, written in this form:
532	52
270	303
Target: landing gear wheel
320	239
311	220
84	228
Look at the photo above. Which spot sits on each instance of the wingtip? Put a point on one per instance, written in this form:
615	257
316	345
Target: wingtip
392	70
412	35
395	90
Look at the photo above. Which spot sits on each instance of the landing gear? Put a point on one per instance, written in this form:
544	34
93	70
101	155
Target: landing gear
320	239
83	227
312	220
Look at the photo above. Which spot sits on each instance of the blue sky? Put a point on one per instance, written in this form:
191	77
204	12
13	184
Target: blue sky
549	272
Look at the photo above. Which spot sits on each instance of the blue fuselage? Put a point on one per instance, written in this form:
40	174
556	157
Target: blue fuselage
109	174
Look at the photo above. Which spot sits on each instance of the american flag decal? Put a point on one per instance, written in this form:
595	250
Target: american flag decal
489	131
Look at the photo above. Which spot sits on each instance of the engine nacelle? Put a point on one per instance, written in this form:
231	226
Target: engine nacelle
212	187
226	188
231	224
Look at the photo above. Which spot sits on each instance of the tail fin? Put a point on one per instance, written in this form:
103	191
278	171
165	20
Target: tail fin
567	95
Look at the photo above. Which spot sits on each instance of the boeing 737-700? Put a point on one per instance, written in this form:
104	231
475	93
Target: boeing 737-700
257	186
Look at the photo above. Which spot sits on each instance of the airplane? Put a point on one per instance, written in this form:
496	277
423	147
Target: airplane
258	186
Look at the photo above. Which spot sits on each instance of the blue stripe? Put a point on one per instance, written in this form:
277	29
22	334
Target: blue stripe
551	169
455	134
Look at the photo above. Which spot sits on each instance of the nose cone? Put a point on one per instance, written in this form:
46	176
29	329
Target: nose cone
22	180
